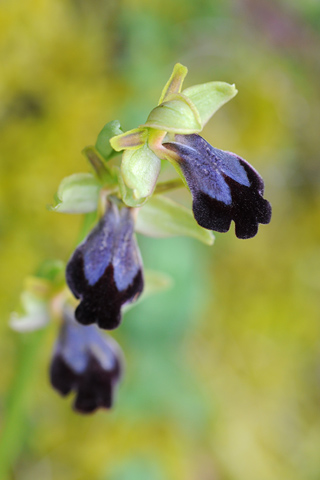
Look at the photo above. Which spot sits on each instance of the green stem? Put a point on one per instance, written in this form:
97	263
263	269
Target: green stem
13	431
96	161
167	186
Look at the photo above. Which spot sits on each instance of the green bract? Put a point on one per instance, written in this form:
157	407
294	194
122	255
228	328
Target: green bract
103	145
162	217
78	193
155	282
178	112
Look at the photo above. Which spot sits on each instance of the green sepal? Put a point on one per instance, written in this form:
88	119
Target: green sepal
127	194
103	145
131	140
177	114
154	282
101	170
78	193
162	217
174	84
140	170
209	97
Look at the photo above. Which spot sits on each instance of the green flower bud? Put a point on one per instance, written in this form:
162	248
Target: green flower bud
103	141
140	169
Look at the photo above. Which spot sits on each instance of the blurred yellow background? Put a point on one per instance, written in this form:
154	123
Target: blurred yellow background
223	371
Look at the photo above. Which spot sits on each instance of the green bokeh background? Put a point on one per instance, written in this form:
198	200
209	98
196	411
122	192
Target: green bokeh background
223	371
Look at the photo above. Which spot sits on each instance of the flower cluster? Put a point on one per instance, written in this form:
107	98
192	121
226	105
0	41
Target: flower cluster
224	187
105	271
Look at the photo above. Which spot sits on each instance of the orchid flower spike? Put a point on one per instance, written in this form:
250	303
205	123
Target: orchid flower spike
224	186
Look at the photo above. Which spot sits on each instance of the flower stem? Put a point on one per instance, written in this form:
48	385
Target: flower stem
13	431
167	186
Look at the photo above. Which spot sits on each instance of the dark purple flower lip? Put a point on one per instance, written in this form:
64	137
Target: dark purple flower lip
87	362
105	271
224	187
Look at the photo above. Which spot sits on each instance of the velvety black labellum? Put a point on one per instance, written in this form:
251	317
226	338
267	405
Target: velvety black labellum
105	271
87	362
224	187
